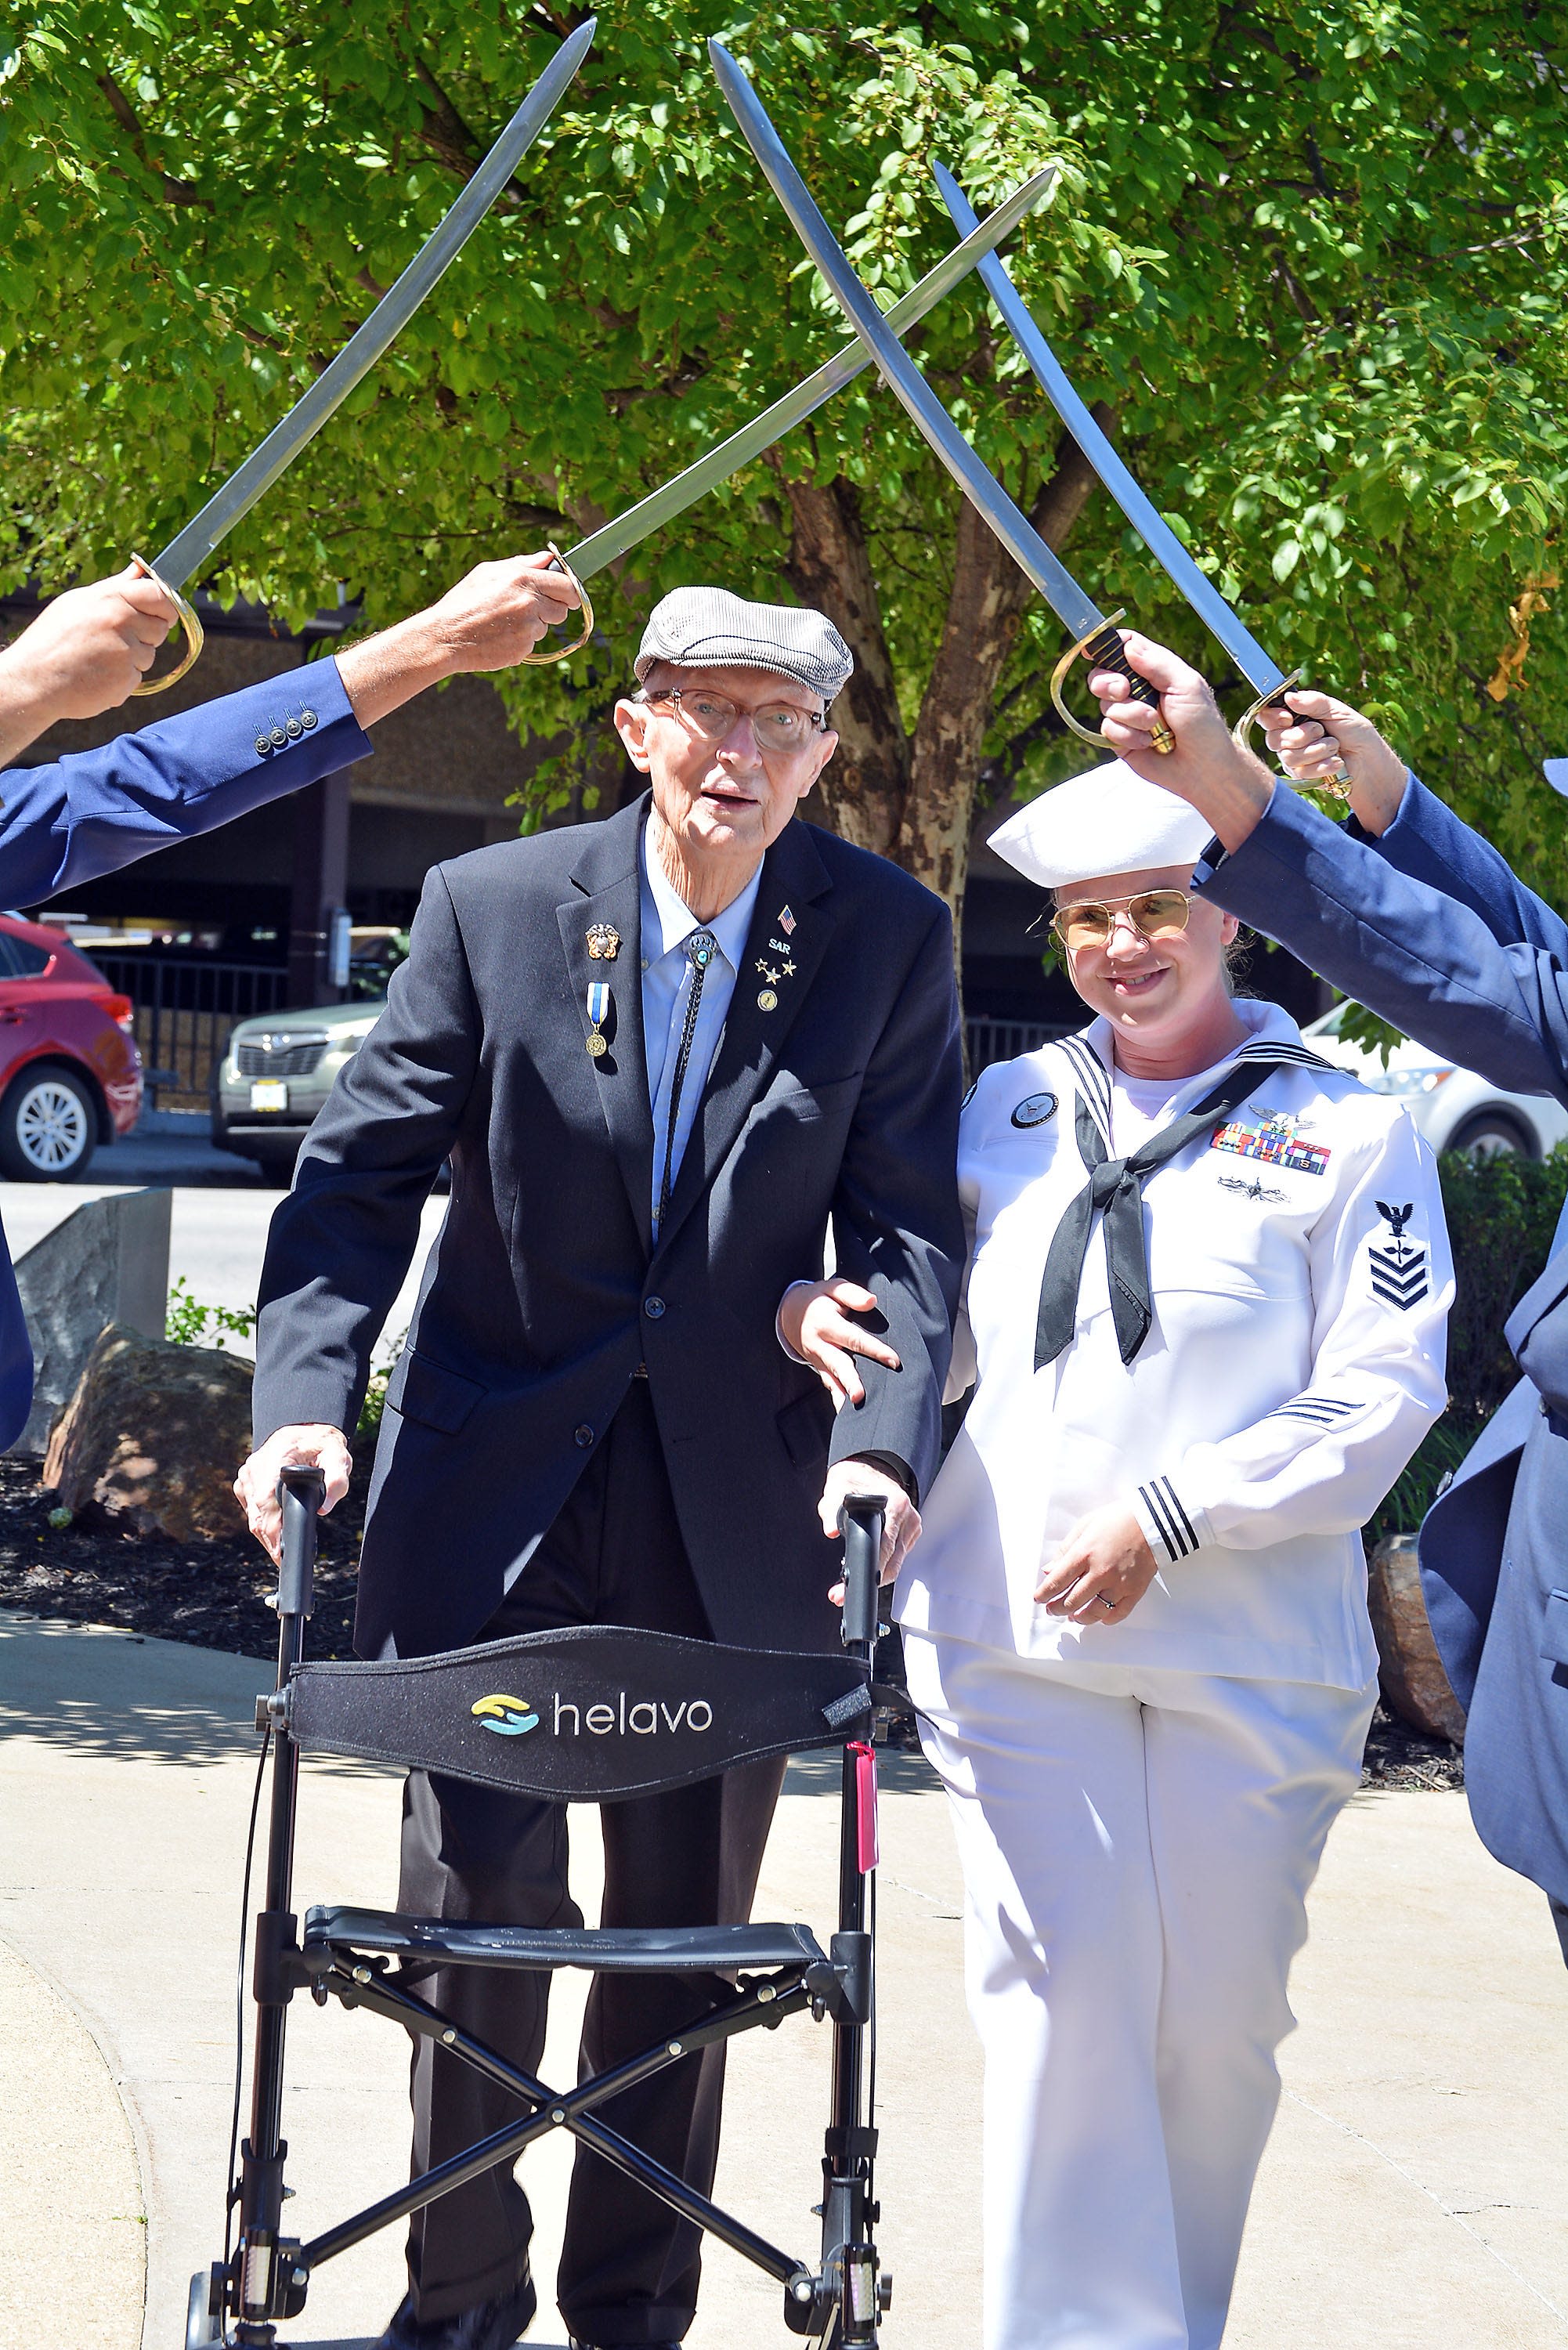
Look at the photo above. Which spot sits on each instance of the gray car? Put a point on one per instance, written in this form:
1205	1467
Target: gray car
276	1071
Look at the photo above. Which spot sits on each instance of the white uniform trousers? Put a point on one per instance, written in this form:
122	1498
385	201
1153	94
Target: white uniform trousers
1137	1844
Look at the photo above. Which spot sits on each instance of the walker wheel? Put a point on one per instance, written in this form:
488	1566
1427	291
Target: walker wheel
203	2322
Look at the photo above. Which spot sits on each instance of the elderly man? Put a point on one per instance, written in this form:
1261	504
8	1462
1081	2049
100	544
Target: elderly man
68	820
664	1055
1416	915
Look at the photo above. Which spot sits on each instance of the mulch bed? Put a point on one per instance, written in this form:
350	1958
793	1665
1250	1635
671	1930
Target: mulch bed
210	1595
213	1595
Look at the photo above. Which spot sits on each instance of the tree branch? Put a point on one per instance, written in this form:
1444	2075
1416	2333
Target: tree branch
176	192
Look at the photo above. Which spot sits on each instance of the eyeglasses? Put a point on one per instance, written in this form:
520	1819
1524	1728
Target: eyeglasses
777	725
1153	914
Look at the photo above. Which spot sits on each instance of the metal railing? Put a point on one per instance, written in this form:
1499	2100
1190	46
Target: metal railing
185	1008
1004	1040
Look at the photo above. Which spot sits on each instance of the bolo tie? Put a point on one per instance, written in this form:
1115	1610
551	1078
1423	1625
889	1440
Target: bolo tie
700	947
1116	1185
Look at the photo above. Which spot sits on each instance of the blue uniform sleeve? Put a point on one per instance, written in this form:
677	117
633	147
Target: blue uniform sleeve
71	820
1421	956
1427	843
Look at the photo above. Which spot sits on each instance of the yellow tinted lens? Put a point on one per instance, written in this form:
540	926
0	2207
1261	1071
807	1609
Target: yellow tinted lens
779	724
1159	911
1084	925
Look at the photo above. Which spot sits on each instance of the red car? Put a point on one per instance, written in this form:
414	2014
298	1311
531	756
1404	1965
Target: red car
70	1075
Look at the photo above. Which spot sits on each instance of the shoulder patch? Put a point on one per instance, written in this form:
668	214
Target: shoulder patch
1399	1271
1034	1109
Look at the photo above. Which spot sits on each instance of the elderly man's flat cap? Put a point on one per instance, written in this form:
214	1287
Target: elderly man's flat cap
707	628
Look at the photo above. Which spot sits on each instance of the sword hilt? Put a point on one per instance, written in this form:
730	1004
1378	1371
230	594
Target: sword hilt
1336	785
1106	649
564	652
195	635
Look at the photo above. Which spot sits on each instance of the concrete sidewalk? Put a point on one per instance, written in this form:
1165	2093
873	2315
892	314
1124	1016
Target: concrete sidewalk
1414	2193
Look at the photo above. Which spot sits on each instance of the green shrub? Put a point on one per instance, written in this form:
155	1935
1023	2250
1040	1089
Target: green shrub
187	1321
1501	1216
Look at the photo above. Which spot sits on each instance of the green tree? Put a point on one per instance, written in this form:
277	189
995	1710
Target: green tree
1307	255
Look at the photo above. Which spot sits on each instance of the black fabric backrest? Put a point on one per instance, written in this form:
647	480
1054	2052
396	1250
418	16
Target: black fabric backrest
590	1714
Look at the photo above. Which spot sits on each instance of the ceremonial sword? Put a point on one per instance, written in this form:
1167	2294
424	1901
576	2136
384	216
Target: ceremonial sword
1268	680
1093	632
185	554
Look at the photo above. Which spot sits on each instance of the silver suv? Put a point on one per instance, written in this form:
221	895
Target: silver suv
276	1072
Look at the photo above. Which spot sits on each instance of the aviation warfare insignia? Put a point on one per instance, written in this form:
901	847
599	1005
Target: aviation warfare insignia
604	942
597	1042
1034	1109
1254	1190
1399	1269
1274	1140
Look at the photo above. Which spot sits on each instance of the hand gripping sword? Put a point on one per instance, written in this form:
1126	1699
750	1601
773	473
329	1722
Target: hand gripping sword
1268	680
1093	632
186	554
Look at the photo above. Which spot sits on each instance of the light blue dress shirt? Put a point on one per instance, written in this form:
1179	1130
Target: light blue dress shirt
667	979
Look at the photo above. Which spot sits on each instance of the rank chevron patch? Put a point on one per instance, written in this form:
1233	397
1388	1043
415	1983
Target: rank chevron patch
1399	1271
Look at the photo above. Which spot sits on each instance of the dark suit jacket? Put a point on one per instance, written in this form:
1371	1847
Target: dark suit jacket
66	821
542	1296
1429	928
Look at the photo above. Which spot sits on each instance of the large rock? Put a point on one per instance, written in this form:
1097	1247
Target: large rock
153	1435
1415	1685
108	1262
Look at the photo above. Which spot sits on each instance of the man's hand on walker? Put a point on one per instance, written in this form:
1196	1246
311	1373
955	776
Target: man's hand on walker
900	1522
256	1487
1101	1571
813	1320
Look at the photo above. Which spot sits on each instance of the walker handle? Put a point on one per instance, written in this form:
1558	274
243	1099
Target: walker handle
301	1492
860	1524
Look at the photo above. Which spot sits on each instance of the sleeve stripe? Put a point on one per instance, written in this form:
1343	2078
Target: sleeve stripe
1176	1504
1160	1501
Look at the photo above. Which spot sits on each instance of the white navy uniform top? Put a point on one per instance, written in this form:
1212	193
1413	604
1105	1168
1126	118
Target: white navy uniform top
667	981
1300	1281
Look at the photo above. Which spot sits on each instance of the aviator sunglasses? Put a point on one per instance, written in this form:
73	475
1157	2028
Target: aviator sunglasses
1153	914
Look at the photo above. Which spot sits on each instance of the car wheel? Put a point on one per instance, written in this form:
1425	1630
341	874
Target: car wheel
1489	1133
49	1125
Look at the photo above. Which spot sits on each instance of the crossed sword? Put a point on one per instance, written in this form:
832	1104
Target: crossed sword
877	341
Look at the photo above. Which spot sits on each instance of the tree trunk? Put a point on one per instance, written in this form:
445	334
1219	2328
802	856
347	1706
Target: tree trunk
867	781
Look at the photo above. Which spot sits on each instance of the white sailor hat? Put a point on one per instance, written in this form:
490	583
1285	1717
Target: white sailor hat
1108	821
707	628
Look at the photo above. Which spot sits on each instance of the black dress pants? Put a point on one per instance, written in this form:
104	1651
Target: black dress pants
629	2267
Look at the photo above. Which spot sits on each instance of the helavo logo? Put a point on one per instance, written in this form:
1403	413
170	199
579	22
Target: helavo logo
508	1717
642	1719
627	1717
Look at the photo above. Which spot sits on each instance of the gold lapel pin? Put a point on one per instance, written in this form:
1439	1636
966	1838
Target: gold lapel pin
604	941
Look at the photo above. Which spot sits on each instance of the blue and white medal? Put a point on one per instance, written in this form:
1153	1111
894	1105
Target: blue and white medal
599	1006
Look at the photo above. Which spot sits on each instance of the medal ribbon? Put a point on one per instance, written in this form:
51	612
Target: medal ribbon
1116	1185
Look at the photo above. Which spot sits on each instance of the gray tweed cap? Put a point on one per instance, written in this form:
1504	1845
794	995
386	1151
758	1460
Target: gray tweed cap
707	628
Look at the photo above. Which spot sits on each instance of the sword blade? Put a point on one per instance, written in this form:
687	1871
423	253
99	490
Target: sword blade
903	379
1261	674
186	553
617	537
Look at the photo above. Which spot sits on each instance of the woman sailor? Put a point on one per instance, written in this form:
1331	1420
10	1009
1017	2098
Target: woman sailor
1136	1625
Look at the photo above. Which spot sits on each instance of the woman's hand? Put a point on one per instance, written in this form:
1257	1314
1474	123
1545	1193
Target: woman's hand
813	1320
1101	1571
